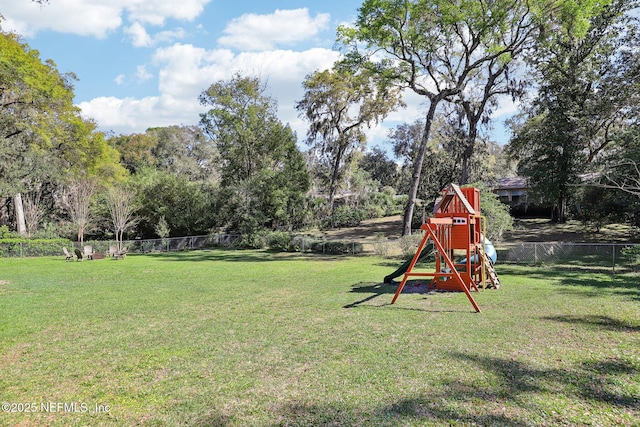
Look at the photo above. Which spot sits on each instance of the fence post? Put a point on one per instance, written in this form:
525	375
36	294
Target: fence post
535	253
614	260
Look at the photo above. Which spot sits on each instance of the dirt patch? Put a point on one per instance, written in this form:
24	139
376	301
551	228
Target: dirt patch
370	229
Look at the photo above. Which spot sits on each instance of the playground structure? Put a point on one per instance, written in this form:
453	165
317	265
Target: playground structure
458	228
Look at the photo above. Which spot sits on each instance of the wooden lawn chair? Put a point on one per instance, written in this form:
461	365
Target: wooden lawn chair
113	250
121	253
67	254
88	252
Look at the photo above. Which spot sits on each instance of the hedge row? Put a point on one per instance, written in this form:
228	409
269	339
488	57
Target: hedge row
288	242
33	247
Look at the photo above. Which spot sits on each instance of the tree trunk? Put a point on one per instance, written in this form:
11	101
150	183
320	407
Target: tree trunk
417	168
21	225
467	154
470	143
334	179
5	218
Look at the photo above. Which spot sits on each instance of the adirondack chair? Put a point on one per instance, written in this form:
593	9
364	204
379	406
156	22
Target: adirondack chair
67	254
113	250
88	252
121	253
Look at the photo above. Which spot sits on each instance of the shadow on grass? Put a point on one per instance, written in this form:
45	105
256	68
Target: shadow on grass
580	277
515	399
604	322
518	394
239	255
601	381
424	410
375	290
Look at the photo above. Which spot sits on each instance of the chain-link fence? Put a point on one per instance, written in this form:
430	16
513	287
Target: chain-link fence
614	257
598	256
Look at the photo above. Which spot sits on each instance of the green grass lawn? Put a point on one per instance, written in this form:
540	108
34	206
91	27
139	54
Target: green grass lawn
249	338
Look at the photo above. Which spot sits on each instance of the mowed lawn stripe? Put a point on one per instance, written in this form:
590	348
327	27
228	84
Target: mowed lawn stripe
256	338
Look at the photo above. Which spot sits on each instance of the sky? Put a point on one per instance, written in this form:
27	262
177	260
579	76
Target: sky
143	63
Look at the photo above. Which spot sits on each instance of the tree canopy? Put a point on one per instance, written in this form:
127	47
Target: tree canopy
338	103
435	48
263	176
588	93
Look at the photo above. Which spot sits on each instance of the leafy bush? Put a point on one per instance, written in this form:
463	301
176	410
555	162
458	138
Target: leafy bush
495	212
409	244
338	247
252	241
632	255
278	241
381	246
302	243
5	233
33	247
343	216
373	211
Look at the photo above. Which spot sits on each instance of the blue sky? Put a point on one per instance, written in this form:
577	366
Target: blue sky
143	63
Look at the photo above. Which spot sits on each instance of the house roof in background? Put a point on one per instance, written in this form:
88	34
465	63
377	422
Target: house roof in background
519	182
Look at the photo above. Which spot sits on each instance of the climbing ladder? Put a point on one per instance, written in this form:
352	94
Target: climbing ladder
491	272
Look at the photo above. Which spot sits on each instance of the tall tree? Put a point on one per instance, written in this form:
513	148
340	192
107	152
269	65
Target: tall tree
338	103
43	137
263	177
434	48
588	92
136	150
33	95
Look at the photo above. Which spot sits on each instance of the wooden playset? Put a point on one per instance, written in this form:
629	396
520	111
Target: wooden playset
456	229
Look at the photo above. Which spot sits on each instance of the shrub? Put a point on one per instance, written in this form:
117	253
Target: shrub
303	243
278	241
409	244
381	246
496	213
252	241
33	247
343	216
632	255
373	211
338	247
5	233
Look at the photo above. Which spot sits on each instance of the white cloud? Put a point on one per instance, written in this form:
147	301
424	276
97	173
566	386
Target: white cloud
142	74
119	79
186	70
263	32
140	37
96	18
157	11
